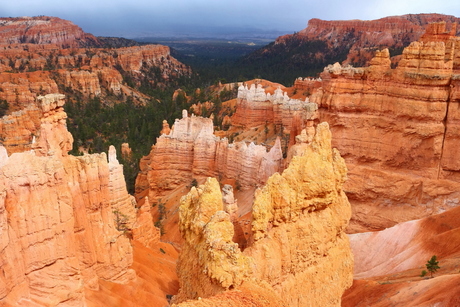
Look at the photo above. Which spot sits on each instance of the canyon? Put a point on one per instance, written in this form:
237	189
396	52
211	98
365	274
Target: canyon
43	55
324	42
211	263
363	37
335	191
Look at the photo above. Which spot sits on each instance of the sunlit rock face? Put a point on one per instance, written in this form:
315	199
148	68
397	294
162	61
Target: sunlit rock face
44	30
299	249
190	150
40	54
397	129
58	229
255	107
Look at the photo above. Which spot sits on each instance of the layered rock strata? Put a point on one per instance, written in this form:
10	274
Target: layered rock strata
89	72
255	107
397	129
58	231
299	248
44	30
359	38
191	150
38	54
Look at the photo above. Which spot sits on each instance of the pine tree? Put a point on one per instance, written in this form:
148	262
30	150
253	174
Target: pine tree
432	265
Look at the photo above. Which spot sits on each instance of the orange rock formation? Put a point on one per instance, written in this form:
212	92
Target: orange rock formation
362	36
44	30
58	231
299	249
90	72
191	150
397	129
73	60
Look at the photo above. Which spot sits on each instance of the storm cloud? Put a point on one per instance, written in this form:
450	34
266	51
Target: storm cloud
144	17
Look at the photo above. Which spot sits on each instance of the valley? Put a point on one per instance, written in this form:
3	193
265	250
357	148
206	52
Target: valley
316	170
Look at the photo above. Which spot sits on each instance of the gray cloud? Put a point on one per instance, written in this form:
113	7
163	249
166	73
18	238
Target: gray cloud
134	17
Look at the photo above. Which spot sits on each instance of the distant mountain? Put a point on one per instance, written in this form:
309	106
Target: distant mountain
44	30
324	42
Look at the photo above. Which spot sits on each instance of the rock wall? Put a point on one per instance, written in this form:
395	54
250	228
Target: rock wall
58	230
397	129
22	89
73	60
192	151
299	249
44	30
255	107
89	72
362	37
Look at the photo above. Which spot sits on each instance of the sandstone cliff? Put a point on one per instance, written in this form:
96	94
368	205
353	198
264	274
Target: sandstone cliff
58	229
361	37
323	42
299	248
397	129
44	30
74	61
94	72
191	150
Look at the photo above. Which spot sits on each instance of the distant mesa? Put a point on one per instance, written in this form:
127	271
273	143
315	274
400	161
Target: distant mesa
44	30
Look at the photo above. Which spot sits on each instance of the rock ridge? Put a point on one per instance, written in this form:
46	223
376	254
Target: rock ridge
299	219
191	150
58	230
44	30
397	126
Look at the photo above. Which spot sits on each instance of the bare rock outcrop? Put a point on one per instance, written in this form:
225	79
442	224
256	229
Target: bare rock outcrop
299	249
397	129
44	30
123	204
191	150
58	231
210	262
143	229
256	107
230	203
41	53
356	36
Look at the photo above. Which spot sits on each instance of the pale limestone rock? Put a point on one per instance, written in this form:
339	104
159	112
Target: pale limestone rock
255	108
3	156
191	150
230	204
299	221
300	249
209	262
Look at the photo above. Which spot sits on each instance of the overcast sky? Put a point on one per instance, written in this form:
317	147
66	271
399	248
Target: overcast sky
140	17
